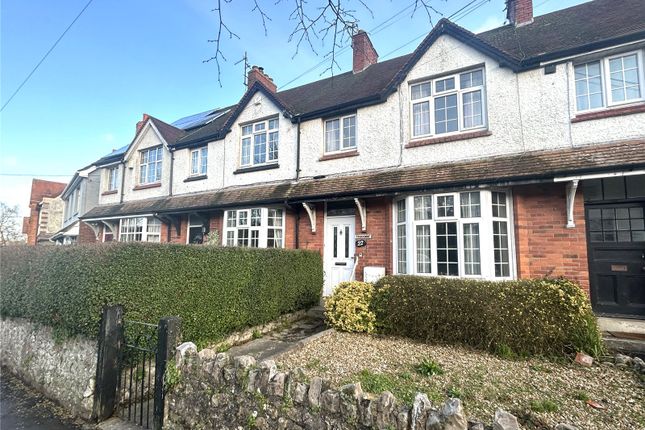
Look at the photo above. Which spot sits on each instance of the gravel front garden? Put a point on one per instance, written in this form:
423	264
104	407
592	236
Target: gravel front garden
540	393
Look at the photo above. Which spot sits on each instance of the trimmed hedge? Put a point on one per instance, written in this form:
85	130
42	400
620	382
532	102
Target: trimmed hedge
215	290
348	308
547	317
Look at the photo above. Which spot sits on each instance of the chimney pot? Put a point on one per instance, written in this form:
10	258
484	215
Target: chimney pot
364	53
519	12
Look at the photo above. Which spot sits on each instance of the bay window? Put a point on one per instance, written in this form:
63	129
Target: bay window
259	143
140	229
454	234
340	134
150	161
255	228
609	81
449	104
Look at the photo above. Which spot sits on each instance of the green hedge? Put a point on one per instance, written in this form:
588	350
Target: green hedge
547	317
214	290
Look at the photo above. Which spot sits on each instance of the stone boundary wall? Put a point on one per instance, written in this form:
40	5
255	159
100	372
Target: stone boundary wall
214	390
63	370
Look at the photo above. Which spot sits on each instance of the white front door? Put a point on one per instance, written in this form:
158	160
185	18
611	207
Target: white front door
339	251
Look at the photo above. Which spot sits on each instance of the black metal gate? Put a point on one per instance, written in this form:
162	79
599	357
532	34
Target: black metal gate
136	386
131	363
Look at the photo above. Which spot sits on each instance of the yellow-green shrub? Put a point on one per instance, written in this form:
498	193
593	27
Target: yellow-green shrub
348	308
525	317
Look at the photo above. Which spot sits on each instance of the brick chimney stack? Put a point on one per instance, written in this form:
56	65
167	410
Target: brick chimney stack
519	12
364	53
142	122
256	74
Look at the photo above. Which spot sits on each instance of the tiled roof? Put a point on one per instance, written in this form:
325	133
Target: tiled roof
533	165
570	28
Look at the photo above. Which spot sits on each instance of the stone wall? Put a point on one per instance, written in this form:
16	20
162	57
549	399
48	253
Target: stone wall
217	391
63	370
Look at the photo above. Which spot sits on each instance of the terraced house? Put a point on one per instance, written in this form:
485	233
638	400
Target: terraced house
517	152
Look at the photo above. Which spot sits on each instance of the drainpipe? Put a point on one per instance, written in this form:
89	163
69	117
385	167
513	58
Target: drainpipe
297	232
298	153
122	181
172	163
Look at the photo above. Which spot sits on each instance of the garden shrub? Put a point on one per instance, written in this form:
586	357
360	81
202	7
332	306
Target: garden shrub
348	308
215	290
547	317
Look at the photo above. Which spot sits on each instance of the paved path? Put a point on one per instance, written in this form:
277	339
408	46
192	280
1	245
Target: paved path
21	408
276	343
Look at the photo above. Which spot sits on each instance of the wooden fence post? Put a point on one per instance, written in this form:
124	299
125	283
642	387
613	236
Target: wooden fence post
107	367
168	339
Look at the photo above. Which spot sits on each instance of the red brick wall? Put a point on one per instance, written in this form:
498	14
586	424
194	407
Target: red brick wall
86	234
378	251
544	246
307	239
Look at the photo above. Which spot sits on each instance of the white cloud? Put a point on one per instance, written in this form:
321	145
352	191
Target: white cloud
107	138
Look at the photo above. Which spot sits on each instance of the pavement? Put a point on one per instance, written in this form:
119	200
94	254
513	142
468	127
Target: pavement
22	408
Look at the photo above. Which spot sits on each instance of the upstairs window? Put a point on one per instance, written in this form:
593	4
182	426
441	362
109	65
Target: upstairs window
340	134
449	104
150	165
608	82
113	178
199	161
259	143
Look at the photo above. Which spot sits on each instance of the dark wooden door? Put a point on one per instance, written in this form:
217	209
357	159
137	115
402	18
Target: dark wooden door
616	237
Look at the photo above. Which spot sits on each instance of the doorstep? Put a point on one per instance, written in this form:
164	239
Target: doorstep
623	335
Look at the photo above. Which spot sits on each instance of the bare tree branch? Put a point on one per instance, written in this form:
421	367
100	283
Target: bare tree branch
10	230
218	40
263	15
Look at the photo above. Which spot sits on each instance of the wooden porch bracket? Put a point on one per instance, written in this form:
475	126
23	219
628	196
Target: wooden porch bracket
173	221
94	225
362	211
572	187
311	211
112	226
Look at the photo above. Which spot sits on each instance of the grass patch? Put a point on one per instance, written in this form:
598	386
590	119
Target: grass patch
581	395
544	405
428	367
316	365
402	385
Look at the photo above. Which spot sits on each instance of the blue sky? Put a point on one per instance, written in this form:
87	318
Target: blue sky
124	58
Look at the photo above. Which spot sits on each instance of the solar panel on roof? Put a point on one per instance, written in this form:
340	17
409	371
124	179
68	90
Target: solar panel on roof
198	119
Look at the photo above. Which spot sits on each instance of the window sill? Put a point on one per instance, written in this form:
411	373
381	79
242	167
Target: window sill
195	178
449	138
107	193
256	168
146	186
609	113
336	155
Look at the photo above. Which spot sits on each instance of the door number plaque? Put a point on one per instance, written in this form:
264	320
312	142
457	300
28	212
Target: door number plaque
619	268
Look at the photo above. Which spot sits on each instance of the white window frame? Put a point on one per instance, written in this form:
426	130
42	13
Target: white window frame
605	82
112	175
145	223
143	179
198	166
460	92
485	221
267	144
341	147
262	230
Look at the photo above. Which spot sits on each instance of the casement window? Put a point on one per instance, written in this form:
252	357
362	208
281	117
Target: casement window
608	82
464	234
340	134
150	162
140	229
255	228
196	230
449	104
199	161
112	178
259	143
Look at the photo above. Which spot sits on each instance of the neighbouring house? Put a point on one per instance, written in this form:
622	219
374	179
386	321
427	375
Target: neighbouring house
513	153
45	211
